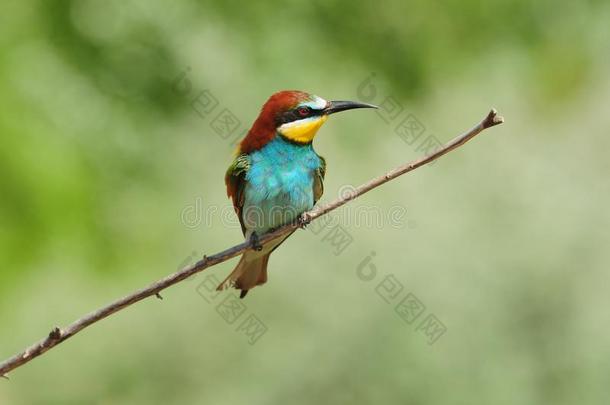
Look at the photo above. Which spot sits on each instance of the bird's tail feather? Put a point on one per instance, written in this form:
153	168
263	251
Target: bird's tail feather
249	272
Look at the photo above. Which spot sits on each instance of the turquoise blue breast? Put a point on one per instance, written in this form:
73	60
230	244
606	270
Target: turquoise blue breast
279	184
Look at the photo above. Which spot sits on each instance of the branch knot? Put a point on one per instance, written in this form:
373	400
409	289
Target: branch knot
55	334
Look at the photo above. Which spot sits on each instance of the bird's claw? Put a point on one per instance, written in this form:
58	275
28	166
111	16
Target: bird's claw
303	220
254	242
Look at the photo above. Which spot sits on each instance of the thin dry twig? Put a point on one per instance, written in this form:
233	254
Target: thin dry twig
57	335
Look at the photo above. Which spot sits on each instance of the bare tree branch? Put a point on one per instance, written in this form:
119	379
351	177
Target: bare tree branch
57	335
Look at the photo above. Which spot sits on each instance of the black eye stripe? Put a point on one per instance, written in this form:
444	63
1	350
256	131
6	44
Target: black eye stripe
294	115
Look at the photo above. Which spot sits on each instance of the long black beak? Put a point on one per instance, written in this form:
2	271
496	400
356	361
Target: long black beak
337	106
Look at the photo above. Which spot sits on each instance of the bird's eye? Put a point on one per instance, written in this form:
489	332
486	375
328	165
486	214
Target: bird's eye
303	111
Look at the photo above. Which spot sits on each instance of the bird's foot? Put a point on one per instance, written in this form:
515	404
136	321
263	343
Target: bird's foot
254	242
303	220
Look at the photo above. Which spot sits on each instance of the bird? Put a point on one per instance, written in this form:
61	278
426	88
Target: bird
276	175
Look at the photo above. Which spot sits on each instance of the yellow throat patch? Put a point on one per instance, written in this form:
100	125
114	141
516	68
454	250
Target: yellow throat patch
302	131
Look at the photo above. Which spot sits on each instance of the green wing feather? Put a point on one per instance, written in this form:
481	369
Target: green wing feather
235	179
318	180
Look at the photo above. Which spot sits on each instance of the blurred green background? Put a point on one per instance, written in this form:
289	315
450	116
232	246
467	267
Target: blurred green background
110	179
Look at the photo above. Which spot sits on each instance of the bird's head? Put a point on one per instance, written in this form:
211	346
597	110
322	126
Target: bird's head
295	115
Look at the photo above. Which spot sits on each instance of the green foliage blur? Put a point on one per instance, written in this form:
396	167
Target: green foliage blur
112	177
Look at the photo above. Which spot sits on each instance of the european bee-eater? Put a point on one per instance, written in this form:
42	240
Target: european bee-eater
276	175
